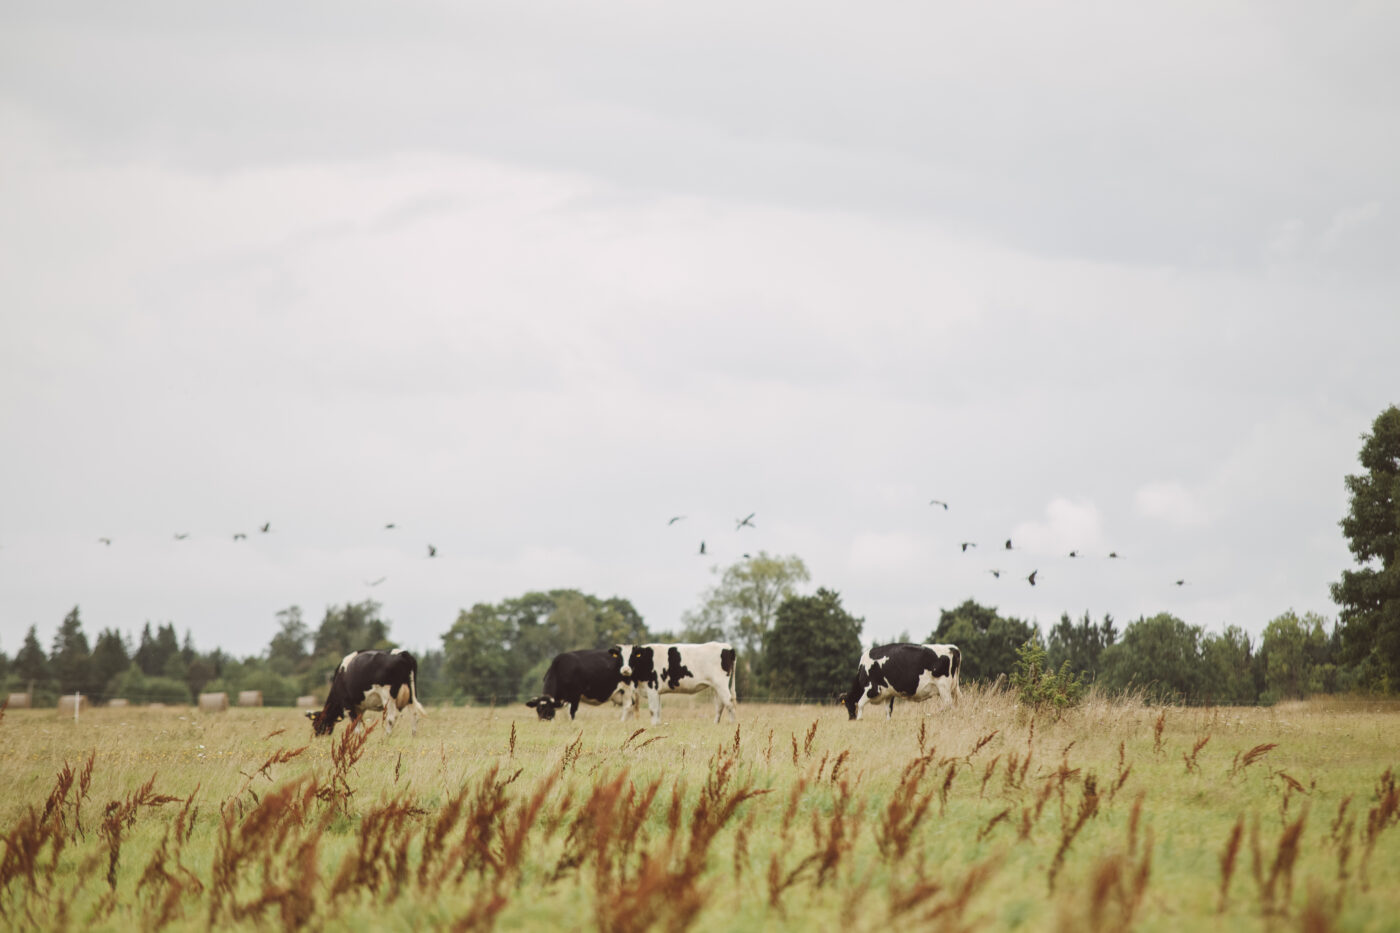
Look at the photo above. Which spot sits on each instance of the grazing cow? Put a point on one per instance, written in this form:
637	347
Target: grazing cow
365	680
682	669
910	672
592	676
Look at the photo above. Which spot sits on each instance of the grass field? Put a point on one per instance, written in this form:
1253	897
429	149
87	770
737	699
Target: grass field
982	817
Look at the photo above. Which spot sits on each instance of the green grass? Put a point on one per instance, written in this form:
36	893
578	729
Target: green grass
795	819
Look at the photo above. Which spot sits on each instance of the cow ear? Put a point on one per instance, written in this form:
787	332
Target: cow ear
312	715
532	702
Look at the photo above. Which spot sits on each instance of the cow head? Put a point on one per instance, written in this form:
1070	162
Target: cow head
321	724
623	655
544	706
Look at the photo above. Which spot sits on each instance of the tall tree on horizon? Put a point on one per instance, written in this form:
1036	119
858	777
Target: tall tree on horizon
1369	596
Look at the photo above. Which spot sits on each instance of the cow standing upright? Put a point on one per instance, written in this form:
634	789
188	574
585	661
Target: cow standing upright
592	676
682	669
904	671
368	680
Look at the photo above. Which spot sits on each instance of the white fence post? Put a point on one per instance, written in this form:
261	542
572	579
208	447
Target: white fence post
77	701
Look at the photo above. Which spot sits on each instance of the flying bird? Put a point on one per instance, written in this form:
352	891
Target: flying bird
1008	545
1180	582
995	573
1073	553
746	520
674	519
391	525
106	541
968	544
1031	578
239	536
181	535
1114	555
939	502
375	582
432	551
265	527
702	547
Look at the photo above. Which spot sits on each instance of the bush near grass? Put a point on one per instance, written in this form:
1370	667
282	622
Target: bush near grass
1040	688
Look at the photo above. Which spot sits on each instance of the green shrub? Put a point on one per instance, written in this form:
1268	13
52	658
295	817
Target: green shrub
1043	689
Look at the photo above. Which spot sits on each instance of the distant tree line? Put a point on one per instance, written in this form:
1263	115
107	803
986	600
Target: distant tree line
791	646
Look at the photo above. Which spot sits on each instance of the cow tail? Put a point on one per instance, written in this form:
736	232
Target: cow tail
413	691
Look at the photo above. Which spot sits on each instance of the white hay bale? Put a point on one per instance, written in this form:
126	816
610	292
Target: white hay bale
118	703
21	701
250	698
65	704
307	702
213	702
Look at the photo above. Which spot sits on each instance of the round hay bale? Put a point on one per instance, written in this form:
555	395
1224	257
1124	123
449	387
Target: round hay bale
65	704
20	701
118	703
213	702
307	702
250	698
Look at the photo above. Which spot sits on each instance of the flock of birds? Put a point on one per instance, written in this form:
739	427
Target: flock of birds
1008	546
740	524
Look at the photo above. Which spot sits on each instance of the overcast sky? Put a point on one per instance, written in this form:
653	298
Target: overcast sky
529	279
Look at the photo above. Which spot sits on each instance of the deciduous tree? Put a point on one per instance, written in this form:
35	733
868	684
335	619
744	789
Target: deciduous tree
812	647
1369	596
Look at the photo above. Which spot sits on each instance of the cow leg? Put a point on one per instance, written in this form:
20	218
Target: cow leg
946	690
889	714
723	701
391	715
573	708
654	701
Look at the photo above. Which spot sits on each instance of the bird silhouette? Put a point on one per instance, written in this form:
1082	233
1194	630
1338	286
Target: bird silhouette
1180	582
702	547
1031	578
265	527
432	551
239	536
939	502
390	526
375	582
106	541
1008	545
1073	553
995	573
674	519
181	535
746	520
968	544
1114	555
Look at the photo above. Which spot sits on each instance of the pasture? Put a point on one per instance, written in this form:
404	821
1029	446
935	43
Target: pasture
1116	816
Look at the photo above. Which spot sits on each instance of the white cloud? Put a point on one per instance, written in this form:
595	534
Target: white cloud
1068	526
1169	502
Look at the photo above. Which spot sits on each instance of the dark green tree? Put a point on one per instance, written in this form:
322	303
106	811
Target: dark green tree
71	658
31	665
1369	596
477	660
1160	656
813	646
1081	645
1230	673
988	642
352	627
286	653
1295	655
110	659
153	654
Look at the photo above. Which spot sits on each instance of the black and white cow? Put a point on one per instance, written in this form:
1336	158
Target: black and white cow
682	669
903	671
592	676
366	680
